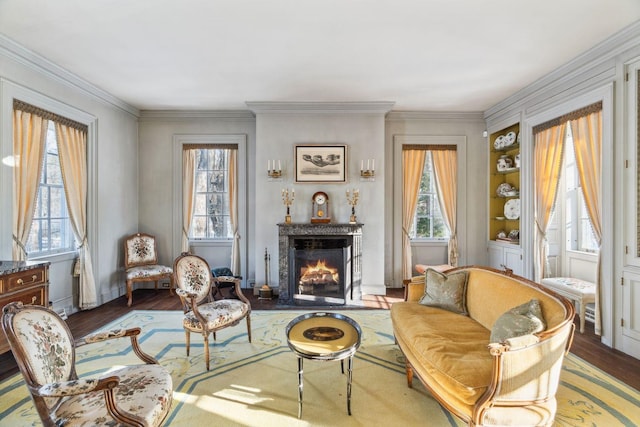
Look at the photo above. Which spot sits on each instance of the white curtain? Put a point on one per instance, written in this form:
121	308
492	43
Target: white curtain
233	210
72	150
587	142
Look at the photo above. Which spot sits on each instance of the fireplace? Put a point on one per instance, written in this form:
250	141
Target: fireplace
320	268
320	264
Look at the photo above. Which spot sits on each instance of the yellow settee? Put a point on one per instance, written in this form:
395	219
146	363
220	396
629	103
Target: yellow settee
483	383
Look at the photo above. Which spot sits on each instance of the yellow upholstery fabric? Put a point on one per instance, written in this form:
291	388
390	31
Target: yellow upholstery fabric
456	358
490	294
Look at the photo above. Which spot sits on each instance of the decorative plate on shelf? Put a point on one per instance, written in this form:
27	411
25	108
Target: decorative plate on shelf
509	139
512	209
503	189
499	142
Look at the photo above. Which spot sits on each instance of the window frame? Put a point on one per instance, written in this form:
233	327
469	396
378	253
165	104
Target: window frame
207	193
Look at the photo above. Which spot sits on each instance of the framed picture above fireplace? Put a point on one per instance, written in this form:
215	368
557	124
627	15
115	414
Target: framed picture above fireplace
321	163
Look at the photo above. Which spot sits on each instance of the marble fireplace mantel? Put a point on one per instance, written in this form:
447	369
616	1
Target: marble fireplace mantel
287	233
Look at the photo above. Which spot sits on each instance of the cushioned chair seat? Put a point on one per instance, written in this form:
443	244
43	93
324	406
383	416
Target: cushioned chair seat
147	271
146	388
219	314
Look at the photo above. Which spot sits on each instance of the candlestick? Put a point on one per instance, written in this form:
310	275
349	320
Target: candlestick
352	199
287	198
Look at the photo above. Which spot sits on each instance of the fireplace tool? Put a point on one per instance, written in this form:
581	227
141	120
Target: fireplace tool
265	291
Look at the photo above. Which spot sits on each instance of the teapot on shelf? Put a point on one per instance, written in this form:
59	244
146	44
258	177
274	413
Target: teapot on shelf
505	162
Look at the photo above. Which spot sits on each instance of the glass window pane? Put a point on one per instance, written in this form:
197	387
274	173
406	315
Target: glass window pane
200	205
212	198
199	227
201	181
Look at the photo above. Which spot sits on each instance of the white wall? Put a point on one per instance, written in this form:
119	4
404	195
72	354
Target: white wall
278	128
158	178
114	209
472	211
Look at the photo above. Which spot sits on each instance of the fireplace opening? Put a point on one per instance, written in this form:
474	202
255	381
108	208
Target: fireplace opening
321	271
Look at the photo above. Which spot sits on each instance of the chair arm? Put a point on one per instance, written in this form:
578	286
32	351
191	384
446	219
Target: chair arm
132	333
185	294
414	288
76	387
237	281
524	371
107	335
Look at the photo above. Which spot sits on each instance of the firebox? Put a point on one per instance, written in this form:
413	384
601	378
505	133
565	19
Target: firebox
321	270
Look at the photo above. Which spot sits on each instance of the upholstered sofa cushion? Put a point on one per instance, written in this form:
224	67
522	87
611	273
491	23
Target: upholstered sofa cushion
446	291
456	358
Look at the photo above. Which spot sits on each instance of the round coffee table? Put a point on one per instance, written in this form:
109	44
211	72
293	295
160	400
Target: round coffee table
324	336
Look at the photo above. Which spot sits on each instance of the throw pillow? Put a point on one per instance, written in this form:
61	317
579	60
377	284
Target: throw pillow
522	320
446	291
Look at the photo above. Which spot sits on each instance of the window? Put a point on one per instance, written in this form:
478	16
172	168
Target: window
211	214
428	222
579	233
51	231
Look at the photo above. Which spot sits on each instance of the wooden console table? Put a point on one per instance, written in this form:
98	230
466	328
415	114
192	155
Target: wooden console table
24	281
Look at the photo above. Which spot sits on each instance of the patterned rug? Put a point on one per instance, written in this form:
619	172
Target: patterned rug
256	384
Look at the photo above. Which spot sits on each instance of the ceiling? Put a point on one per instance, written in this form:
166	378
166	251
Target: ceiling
424	55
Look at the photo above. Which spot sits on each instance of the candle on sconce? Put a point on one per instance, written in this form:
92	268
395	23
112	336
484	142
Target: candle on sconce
373	164
368	166
279	166
268	165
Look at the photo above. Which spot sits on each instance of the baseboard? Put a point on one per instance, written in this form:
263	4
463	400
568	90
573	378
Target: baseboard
374	290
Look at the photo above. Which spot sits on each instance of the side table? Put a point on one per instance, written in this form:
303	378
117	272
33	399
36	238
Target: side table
324	336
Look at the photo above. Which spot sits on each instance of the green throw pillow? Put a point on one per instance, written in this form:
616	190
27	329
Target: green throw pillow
446	291
522	320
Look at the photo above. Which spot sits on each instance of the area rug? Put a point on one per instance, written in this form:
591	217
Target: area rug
256	384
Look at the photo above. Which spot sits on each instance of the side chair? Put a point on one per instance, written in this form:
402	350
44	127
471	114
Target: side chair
202	314
45	351
141	263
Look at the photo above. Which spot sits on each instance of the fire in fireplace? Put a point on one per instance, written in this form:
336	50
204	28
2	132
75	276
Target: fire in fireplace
320	271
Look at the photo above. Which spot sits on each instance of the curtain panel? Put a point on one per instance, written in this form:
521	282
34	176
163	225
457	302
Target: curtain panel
29	135
72	150
445	168
412	167
587	142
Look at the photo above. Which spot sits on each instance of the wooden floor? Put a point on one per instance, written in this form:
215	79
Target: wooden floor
586	346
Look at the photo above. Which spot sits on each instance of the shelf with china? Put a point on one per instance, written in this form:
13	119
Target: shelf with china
504	185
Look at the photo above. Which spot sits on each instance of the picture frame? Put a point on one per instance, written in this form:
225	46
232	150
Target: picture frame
325	163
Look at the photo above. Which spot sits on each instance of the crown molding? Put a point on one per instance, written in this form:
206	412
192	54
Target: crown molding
435	115
40	64
583	64
150	115
375	107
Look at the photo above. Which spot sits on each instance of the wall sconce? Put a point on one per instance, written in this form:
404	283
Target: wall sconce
369	173
274	171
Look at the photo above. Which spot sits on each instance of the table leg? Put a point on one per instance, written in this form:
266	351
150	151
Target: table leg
349	377
300	387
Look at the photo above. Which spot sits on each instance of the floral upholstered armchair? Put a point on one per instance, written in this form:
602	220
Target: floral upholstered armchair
202	314
141	263
45	351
